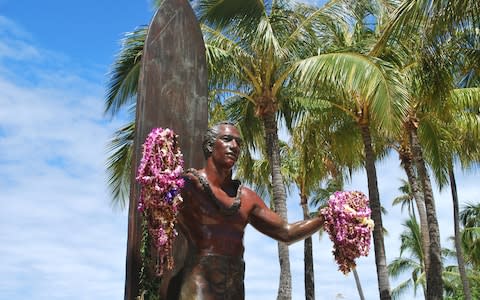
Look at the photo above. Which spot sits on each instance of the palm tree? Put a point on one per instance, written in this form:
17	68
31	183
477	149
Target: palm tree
407	161
465	126
470	219
439	138
338	155
440	20
406	199
415	263
253	48
317	160
433	129
369	91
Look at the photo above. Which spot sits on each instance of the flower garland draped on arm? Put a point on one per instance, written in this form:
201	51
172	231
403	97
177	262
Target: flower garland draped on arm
160	176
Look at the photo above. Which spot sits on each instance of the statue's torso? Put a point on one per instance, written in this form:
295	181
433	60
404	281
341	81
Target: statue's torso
208	229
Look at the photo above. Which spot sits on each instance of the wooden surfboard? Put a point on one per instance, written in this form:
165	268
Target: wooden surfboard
172	93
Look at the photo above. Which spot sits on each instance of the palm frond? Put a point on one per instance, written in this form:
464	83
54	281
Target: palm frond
401	265
401	289
376	85
222	12
470	215
407	17
119	164
123	77
313	16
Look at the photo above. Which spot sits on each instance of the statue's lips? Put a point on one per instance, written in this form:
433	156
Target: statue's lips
232	155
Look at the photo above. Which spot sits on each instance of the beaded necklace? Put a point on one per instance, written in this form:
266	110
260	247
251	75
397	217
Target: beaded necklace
227	211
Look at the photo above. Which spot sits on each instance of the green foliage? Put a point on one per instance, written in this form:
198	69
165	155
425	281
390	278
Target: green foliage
123	77
453	284
119	164
222	12
470	219
411	243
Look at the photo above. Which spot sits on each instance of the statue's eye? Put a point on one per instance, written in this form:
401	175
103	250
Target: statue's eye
226	138
229	138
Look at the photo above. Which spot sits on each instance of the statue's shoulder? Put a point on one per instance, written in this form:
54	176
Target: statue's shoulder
192	178
250	195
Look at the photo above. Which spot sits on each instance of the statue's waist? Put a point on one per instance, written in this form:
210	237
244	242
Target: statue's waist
220	247
212	260
212	253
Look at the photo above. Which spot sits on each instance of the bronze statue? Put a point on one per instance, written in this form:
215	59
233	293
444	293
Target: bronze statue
215	211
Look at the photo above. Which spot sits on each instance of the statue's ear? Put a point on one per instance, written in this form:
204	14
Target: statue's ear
210	147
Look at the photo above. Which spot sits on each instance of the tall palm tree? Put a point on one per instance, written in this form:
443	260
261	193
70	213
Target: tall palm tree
466	126
439	19
438	145
252	53
412	62
369	91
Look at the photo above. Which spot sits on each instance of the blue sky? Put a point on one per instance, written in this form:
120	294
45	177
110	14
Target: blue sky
59	236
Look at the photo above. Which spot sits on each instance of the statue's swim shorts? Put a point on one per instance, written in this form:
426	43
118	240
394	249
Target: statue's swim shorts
214	277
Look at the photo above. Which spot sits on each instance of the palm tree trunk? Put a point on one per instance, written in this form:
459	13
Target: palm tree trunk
458	247
308	254
375	206
279	200
358	284
406	158
434	275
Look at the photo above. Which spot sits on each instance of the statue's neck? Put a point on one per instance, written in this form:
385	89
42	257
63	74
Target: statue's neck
217	175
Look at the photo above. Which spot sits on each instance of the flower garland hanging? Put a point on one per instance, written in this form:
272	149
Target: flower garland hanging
348	223
160	176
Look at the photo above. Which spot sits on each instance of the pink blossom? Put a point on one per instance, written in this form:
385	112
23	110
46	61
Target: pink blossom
348	223
160	176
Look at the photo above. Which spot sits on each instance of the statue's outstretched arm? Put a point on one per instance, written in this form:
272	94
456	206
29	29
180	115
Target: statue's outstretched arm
268	222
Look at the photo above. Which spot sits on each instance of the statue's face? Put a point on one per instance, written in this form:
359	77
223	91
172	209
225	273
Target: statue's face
226	149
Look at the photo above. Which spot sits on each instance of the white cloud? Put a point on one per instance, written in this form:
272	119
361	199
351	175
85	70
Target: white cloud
12	43
60	238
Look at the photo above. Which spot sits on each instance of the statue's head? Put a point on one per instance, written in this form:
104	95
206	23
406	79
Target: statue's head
211	136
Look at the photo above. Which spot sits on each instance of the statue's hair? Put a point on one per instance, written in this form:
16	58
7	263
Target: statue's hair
210	137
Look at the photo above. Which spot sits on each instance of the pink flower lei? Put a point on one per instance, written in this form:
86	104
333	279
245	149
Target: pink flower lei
348	223
160	176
